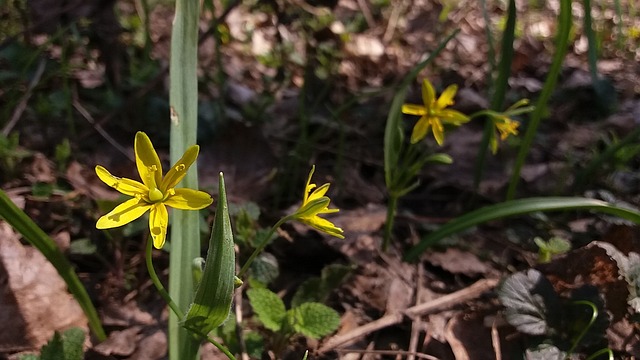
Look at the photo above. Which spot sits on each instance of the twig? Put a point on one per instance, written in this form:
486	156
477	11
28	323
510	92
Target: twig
444	302
417	323
242	347
495	340
81	109
389	352
368	17
17	113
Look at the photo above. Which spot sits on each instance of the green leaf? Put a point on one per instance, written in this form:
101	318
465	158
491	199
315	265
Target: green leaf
265	268
318	289
315	320
269	308
67	346
519	207
531	303
212	302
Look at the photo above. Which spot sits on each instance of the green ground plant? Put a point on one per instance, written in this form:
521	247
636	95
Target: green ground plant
311	319
66	346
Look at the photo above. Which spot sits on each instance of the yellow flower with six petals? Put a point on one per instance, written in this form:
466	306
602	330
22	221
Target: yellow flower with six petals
315	203
434	113
154	193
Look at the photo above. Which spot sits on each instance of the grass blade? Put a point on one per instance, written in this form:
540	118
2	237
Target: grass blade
519	207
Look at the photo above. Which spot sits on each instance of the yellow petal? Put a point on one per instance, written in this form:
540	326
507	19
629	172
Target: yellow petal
324	226
123	214
319	192
312	207
309	186
189	199
452	117
420	129
428	94
147	161
446	98
123	185
438	131
158	222
179	170
413	109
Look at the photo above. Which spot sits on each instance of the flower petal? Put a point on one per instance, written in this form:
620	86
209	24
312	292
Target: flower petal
312	207
452	117
123	185
446	98
179	170
324	226
189	199
147	161
428	94
318	193
309	186
438	130
413	109
420	129
158	222
123	214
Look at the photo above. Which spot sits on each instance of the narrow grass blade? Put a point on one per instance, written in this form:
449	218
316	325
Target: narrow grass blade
501	85
562	39
519	207
41	241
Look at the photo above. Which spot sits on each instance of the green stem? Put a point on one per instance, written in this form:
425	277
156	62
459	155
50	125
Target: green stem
562	40
174	307
156	281
392	208
600	352
594	316
262	245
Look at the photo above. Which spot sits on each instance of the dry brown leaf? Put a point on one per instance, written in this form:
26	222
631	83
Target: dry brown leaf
34	297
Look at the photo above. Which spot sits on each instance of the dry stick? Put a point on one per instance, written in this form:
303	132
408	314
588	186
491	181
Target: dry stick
495	340
389	352
441	303
81	109
417	323
22	105
368	17
238	311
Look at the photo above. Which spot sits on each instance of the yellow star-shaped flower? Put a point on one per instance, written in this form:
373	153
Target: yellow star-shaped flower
434	113
155	193
315	203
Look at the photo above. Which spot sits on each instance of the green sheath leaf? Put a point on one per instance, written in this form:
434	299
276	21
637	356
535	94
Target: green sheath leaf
214	294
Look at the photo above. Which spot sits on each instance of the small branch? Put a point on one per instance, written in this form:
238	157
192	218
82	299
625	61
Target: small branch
442	303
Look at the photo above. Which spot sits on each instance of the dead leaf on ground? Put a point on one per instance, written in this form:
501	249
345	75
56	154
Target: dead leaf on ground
34	299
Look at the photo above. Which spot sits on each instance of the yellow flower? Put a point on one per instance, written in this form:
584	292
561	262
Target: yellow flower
504	125
314	204
434	113
154	193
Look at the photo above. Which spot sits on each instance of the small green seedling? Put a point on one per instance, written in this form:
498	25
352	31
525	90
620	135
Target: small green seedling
311	319
547	249
67	346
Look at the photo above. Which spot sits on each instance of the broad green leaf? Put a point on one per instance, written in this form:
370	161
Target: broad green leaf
268	306
531	303
212	302
519	207
315	320
265	268
318	289
545	352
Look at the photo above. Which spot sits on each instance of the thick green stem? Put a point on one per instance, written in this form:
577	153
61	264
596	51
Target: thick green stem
185	233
